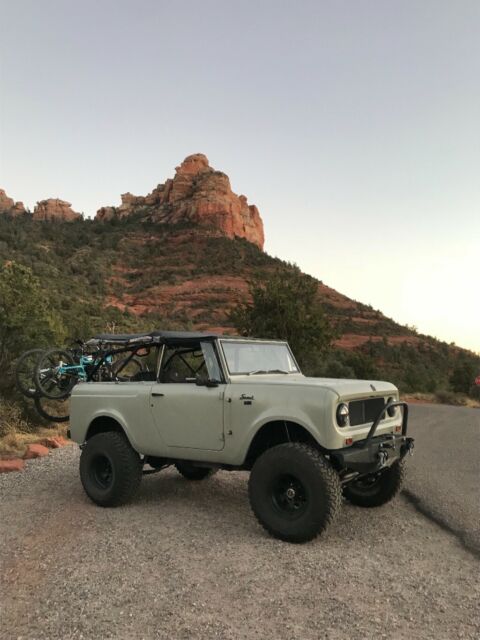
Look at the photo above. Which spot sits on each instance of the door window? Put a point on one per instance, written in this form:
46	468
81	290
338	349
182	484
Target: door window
190	364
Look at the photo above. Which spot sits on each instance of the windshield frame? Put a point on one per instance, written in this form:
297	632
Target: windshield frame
254	341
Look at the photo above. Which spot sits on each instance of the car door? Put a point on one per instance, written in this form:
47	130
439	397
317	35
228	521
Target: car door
189	410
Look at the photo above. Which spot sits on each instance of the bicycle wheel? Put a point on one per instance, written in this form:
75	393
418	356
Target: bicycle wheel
56	374
25	372
52	410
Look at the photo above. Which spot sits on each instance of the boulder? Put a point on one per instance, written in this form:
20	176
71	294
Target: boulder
35	451
7	466
54	442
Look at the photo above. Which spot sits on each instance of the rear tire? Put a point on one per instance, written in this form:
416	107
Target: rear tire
191	471
110	470
294	492
374	491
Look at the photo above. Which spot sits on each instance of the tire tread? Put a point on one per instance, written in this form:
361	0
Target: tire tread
130	464
333	492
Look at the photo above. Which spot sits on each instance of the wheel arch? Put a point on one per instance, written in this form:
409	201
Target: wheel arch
276	432
105	424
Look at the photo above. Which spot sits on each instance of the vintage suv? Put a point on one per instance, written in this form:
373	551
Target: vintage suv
211	402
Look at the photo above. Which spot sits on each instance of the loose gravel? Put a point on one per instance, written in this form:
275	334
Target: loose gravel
187	560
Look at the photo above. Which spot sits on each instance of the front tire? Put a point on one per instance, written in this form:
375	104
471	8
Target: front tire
294	492
376	490
191	471
110	470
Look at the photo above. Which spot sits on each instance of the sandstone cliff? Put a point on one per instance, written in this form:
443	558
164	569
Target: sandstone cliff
199	194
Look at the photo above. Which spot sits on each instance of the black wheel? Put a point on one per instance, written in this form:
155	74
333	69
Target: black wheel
56	374
376	489
25	372
194	472
52	410
294	492
110	469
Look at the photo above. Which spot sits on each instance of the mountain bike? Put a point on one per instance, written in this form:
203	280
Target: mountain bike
59	370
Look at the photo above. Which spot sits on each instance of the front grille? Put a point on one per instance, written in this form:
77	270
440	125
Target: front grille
362	411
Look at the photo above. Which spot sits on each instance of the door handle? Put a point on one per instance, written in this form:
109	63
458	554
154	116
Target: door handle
157	395
244	396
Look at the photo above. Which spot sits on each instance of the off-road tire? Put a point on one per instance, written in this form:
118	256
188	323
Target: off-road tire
111	451
381	490
317	487
192	471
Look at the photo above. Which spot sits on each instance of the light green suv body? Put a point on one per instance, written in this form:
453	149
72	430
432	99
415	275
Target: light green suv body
217	402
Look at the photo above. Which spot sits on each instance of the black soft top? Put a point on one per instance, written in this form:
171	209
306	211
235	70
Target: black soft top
152	337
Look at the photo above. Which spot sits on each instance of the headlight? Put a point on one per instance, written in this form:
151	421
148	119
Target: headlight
392	411
342	415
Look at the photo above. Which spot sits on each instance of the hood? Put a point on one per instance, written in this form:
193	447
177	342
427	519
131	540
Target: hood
342	387
346	387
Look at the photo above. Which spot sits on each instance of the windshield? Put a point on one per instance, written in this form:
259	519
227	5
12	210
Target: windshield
251	358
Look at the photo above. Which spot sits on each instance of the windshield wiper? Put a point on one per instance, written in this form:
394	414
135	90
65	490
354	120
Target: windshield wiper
254	373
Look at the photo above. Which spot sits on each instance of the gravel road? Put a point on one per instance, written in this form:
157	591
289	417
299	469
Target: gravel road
188	560
444	476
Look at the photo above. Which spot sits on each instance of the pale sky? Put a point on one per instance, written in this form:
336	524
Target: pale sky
354	126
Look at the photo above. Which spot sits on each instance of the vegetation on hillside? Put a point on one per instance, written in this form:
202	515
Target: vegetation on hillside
285	305
75	279
26	317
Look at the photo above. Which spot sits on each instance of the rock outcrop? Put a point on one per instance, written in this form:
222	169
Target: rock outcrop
9	206
198	194
55	209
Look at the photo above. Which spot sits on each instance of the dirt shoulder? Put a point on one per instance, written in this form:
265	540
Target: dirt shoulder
452	399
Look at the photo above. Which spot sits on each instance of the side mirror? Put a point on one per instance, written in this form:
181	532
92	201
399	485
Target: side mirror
205	382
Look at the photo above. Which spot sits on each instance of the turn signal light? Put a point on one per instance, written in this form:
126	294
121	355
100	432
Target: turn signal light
398	429
348	441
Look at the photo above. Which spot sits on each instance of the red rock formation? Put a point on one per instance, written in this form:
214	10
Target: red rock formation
54	442
55	209
8	206
15	464
197	193
35	450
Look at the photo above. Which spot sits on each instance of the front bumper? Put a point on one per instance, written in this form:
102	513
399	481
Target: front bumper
375	452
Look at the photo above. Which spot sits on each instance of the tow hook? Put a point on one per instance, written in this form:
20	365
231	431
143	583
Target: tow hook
382	458
408	446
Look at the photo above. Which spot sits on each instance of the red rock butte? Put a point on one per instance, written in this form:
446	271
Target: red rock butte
199	194
9	206
55	209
